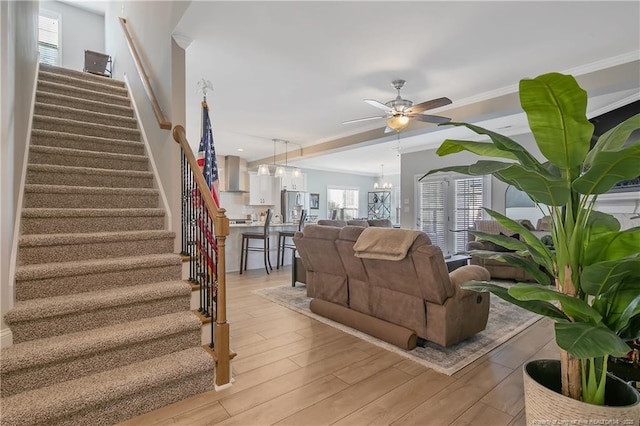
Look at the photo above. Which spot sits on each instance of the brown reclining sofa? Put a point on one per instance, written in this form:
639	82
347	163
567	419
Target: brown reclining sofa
396	287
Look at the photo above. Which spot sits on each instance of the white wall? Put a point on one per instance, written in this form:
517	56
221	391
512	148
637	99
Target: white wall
318	181
80	30
151	24
18	64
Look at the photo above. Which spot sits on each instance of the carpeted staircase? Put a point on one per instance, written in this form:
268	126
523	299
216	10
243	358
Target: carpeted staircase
101	325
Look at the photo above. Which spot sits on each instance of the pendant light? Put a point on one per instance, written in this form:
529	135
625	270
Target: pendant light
383	184
263	169
280	171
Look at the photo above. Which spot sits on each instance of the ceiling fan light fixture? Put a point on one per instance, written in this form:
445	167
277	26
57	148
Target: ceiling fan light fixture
263	170
398	122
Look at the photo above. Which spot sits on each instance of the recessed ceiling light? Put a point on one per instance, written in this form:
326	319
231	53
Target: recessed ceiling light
240	149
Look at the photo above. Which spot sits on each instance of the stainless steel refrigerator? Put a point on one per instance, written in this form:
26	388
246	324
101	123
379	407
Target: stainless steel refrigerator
292	204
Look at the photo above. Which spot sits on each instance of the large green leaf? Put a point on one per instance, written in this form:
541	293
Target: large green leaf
504	144
632	309
613	246
599	277
599	223
556	108
609	168
575	307
621	303
538	307
543	189
538	251
632	330
614	138
480	168
583	340
486	149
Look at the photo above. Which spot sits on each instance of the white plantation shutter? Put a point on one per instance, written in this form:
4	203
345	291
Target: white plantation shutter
469	195
432	216
448	205
49	38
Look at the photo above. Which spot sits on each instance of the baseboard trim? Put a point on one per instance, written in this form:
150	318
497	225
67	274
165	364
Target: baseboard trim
6	338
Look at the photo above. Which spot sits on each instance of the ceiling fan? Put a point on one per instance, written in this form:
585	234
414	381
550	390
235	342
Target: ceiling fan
400	111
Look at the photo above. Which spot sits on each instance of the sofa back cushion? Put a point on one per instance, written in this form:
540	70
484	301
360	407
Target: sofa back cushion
381	223
326	277
332	222
357	276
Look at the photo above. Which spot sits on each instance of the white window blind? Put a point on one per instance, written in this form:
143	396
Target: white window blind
448	207
49	39
432	216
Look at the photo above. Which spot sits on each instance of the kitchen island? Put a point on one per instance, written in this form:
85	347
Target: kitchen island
255	261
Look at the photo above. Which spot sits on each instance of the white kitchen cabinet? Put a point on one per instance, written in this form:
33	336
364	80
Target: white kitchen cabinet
263	190
294	183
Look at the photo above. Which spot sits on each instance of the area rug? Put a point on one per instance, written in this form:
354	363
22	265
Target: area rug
505	321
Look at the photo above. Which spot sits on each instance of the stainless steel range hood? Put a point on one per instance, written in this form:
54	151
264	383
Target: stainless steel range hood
232	175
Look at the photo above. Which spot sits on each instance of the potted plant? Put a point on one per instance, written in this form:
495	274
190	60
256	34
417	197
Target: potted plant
589	283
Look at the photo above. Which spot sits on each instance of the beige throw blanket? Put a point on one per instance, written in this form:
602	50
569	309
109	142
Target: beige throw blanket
384	243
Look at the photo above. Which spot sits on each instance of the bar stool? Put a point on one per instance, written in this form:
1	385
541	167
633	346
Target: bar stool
246	247
282	239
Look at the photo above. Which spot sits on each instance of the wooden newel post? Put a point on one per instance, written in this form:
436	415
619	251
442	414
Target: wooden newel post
221	332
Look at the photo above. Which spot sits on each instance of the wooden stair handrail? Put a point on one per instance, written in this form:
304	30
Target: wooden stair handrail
162	121
222	351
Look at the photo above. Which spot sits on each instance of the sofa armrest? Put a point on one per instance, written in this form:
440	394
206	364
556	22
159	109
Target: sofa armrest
468	273
475	245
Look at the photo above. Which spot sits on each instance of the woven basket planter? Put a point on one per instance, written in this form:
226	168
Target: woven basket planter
545	405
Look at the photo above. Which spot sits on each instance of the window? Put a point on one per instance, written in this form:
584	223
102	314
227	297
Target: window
49	37
448	205
343	201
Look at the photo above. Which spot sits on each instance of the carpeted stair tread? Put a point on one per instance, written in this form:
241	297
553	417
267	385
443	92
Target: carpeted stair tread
35	364
86	267
54	168
62	196
80	276
62	189
78	92
42	137
43	240
96	86
24	311
66	221
84	104
82	128
52	248
49	404
75	213
53	349
81	75
83	115
78	157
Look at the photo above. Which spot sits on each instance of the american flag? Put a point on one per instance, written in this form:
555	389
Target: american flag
207	156
209	167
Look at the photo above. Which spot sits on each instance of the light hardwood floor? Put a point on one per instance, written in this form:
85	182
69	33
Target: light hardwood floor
294	370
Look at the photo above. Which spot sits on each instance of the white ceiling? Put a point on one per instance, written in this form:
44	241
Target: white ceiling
296	70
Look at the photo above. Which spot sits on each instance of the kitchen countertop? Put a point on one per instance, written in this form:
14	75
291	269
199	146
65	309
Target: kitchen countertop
259	224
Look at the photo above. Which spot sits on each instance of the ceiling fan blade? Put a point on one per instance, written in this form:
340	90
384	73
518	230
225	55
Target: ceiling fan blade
378	104
430	118
433	103
357	120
